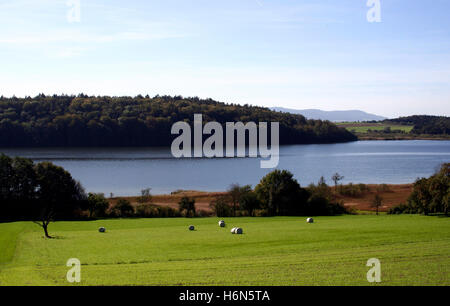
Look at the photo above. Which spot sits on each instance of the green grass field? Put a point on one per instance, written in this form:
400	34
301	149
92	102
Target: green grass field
362	128
413	250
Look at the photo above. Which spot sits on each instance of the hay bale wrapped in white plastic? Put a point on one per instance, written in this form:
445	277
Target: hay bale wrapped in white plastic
102	230
191	227
310	220
222	223
233	230
239	231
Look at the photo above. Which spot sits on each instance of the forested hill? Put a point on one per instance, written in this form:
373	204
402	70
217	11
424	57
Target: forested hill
423	124
83	121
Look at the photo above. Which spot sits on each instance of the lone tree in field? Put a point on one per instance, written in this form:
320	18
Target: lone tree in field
58	194
377	202
187	204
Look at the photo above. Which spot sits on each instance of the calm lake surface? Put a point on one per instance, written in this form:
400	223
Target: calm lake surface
126	171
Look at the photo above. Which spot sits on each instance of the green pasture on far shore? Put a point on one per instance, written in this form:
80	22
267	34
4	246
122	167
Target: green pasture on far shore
362	128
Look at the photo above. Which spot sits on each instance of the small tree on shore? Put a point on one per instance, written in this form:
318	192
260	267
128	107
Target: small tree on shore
377	202
145	197
336	179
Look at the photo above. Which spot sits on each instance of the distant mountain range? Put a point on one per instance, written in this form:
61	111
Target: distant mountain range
336	116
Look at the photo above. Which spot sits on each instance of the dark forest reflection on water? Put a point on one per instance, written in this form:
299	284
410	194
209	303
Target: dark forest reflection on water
126	171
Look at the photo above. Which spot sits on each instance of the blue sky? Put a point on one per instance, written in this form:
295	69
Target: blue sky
296	54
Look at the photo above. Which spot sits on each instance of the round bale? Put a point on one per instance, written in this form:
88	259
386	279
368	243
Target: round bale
239	231
310	220
222	223
191	227
102	230
233	230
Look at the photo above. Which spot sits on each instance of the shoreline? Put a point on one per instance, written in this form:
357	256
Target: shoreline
401	138
360	138
394	195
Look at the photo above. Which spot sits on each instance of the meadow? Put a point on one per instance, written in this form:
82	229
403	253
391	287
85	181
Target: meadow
362	128
413	250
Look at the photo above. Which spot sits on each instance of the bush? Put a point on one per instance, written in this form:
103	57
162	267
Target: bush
321	189
249	202
261	213
383	188
432	195
338	209
320	206
400	209
97	205
236	192
187	204
145	211
364	188
152	211
221	207
145	197
123	208
429	195
351	190
167	212
203	213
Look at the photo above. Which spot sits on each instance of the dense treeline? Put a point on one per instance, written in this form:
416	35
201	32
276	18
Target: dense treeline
430	195
432	125
137	121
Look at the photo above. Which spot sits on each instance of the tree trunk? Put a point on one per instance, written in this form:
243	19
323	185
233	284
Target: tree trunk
44	225
335	192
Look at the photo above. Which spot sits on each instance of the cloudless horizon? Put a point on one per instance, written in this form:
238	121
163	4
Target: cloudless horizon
303	54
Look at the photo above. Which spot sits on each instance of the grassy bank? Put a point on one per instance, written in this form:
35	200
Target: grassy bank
360	128
413	250
387	131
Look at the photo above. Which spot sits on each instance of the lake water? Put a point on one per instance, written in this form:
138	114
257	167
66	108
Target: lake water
126	171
